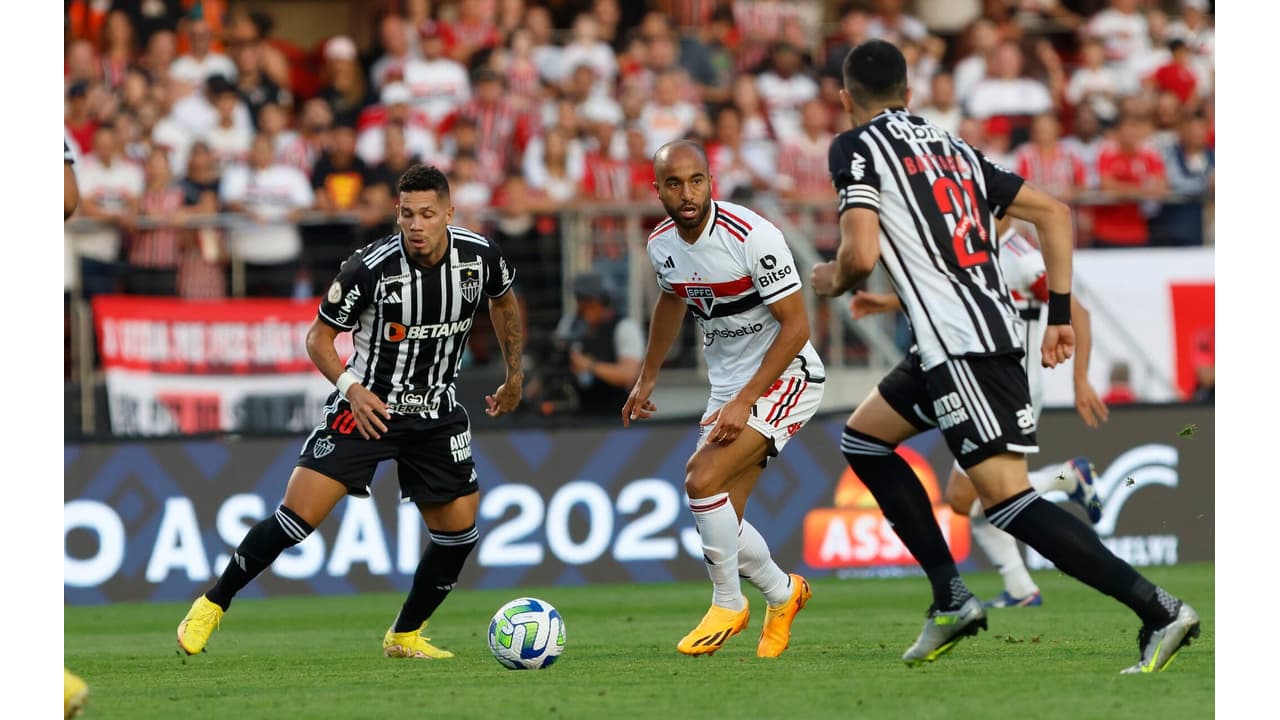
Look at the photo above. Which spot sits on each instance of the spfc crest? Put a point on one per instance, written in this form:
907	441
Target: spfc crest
702	297
323	446
469	283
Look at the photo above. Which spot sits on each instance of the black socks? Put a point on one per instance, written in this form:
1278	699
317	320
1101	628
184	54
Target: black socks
436	575
906	506
1076	550
259	548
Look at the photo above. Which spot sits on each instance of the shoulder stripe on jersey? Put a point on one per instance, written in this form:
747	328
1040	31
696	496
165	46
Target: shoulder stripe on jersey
469	236
333	322
779	291
726	219
662	227
382	253
722	223
735	218
720	289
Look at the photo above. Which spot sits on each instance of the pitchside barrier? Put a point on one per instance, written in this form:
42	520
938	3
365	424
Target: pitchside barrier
157	520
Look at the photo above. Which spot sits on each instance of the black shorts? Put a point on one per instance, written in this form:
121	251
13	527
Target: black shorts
981	404
433	456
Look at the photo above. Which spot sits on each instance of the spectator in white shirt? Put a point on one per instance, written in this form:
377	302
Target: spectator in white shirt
784	89
665	116
272	197
546	53
110	190
554	166
396	110
734	163
982	40
440	85
1005	91
942	109
1095	84
892	24
229	140
396	56
202	62
1123	31
587	48
1193	28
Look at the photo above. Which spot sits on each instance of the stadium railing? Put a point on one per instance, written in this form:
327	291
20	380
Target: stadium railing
582	234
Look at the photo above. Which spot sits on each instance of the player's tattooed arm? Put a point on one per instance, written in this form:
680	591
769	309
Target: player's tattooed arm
504	311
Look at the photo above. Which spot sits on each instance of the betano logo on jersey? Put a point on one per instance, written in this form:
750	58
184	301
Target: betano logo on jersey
856	534
395	332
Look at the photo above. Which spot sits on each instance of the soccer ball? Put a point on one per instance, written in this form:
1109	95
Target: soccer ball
526	634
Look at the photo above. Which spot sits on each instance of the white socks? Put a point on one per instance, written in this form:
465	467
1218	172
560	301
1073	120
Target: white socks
1002	548
757	566
718	529
1044	481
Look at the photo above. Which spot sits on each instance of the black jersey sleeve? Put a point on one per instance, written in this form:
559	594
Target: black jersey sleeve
1002	185
349	295
853	173
498	273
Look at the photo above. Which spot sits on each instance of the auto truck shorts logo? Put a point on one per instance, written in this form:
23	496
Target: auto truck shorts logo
323	446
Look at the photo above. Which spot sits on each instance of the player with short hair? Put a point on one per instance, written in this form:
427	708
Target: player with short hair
924	203
409	298
1024	273
732	270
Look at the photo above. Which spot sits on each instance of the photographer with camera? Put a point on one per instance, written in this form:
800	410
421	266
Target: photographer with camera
603	348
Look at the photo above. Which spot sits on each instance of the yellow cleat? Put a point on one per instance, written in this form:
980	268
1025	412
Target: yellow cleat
718	625
74	694
775	636
411	645
202	619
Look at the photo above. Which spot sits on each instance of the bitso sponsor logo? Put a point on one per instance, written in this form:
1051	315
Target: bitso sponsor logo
770	278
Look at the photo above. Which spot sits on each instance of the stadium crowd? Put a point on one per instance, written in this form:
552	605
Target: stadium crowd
185	113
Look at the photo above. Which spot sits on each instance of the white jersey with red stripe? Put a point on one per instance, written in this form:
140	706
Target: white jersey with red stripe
728	277
1023	269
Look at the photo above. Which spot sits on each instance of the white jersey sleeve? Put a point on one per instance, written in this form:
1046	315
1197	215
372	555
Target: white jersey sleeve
1023	268
772	267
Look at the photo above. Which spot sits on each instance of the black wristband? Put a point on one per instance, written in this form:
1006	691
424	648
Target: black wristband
1059	308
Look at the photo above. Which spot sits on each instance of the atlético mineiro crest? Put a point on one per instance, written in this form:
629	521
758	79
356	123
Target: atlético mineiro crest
323	446
469	282
701	296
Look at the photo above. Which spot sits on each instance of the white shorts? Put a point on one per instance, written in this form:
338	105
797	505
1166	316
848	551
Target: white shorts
785	407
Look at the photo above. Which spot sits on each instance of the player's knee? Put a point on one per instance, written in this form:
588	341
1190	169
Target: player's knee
864	450
960	493
294	526
701	479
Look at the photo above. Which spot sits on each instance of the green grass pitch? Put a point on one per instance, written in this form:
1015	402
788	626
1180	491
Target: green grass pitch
313	657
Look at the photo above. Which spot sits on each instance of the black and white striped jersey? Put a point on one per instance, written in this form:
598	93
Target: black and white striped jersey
410	323
938	200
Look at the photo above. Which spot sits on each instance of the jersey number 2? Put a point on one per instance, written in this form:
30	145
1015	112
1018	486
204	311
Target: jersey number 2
951	198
